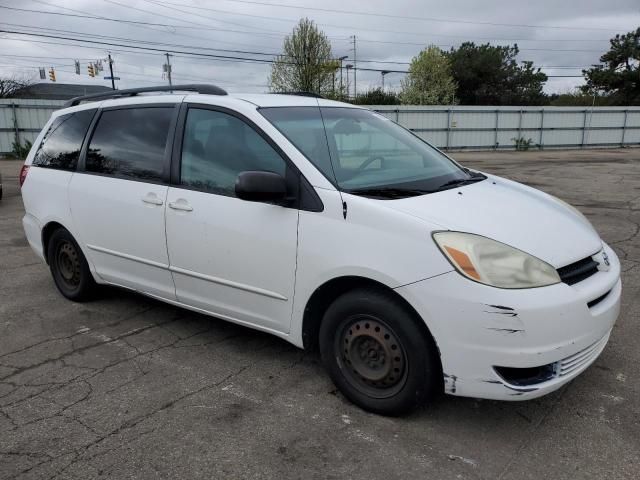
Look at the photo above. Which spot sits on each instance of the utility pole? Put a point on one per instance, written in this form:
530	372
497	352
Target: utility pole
113	81
167	69
355	68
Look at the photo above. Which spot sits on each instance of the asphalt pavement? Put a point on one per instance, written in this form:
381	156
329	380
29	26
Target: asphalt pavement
129	387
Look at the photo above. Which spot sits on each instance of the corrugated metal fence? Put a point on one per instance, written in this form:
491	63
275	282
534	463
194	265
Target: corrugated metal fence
447	127
23	119
470	127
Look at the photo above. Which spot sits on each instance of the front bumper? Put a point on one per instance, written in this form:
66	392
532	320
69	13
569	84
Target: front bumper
477	328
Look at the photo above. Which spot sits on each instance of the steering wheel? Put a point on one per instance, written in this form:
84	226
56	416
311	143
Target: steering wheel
372	159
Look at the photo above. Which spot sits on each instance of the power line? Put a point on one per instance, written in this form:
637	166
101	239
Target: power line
163	29
404	17
106	37
421	44
163	50
349	27
45	57
135	22
179	19
136	74
229	57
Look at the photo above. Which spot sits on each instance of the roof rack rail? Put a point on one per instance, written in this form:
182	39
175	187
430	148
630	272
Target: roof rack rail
300	94
131	92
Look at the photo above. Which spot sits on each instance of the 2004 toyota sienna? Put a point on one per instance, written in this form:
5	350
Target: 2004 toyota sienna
327	225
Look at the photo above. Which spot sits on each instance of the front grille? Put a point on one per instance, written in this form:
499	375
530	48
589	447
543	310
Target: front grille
578	271
583	357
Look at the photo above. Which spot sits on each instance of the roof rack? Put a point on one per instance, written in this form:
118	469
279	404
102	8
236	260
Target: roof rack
300	94
131	92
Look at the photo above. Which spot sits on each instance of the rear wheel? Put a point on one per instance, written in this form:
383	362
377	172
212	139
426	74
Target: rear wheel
69	267
377	353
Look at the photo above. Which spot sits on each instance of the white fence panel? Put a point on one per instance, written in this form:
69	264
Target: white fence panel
479	127
447	127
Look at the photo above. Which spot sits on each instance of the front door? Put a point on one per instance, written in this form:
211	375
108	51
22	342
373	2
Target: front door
231	257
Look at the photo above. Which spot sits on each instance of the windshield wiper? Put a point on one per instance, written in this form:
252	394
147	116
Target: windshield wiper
458	182
390	192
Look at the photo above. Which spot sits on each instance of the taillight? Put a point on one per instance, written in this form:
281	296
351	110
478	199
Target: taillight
23	174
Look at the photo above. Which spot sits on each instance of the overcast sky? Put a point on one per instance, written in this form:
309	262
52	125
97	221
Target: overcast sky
561	36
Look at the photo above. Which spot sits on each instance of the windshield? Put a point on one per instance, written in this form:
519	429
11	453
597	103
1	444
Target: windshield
363	152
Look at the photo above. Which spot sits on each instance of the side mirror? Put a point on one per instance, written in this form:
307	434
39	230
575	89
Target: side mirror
261	186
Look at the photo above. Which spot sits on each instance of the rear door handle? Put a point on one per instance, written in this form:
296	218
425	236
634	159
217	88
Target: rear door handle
152	199
181	205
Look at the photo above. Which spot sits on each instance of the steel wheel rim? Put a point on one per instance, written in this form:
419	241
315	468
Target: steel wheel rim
68	262
371	356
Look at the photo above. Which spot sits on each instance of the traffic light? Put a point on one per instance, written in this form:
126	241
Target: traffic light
92	72
52	74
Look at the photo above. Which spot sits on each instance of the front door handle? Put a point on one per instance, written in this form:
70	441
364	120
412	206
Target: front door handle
181	205
152	199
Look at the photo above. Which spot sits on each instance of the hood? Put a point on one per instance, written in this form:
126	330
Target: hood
511	213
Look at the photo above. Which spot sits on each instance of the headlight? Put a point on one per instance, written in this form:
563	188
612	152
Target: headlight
494	263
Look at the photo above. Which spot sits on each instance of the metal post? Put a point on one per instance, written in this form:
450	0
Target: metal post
448	127
624	127
15	123
520	125
541	129
584	128
355	67
495	138
397	115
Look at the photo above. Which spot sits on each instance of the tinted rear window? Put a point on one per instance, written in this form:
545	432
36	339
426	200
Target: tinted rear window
61	145
130	143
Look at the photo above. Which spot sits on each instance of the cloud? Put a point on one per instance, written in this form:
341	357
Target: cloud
562	37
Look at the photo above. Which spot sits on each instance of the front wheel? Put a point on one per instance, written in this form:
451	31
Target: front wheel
69	267
377	353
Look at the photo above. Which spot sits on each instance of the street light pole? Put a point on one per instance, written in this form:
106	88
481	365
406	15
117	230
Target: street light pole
341	87
383	73
349	67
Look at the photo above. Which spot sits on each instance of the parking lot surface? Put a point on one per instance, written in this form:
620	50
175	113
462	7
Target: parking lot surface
128	387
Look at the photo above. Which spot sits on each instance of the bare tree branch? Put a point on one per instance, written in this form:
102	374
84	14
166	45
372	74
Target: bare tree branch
9	86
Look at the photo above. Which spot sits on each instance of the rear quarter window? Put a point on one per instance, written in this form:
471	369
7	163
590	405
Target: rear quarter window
60	147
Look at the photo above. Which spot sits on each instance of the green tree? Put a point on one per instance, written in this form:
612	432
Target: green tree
578	98
490	75
377	96
619	76
306	64
429	81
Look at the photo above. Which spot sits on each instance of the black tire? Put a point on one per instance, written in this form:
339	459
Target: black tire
69	267
377	353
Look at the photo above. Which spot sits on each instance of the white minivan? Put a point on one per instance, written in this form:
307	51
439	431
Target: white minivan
327	225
